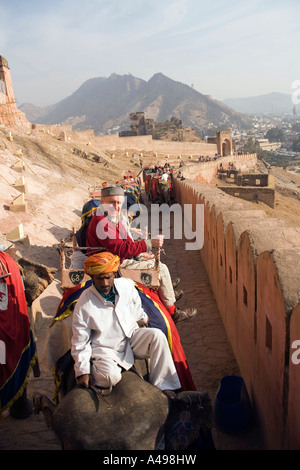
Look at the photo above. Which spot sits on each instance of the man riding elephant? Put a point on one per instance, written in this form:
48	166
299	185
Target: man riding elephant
107	232
164	187
106	333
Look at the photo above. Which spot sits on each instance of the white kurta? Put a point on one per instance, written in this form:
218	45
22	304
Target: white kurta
101	329
109	335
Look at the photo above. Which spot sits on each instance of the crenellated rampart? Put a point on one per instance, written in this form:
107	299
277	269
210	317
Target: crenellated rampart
142	143
253	263
206	171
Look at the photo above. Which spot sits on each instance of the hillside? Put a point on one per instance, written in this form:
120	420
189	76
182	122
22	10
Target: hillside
57	175
275	103
104	104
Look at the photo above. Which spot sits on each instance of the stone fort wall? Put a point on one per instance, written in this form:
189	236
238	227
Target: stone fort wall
253	263
206	171
142	143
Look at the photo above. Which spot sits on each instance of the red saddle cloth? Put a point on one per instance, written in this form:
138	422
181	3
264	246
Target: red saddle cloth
17	347
179	358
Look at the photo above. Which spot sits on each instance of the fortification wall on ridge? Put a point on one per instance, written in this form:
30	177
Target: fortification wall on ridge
206	171
141	143
253	263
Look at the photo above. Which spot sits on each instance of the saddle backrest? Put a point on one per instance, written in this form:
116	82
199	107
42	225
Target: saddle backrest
73	277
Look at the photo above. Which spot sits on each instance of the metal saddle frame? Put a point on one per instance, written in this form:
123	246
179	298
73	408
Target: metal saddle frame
73	277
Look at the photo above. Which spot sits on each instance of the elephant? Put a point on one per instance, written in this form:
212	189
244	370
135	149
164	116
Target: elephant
164	191
134	416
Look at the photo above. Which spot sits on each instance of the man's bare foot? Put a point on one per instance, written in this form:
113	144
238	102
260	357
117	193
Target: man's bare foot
170	394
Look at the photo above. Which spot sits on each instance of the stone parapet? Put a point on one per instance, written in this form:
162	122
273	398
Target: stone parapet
206	171
253	263
255	194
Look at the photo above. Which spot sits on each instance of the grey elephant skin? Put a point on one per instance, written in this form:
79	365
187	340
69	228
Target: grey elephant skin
135	416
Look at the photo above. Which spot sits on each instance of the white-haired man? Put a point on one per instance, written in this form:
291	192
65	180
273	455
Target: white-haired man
107	231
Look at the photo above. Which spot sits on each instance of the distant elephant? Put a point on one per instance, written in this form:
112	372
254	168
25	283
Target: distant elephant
147	184
164	191
134	416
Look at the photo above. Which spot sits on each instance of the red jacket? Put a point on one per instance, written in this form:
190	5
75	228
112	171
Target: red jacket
113	237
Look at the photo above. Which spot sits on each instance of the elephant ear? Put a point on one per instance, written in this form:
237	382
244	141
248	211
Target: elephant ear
36	278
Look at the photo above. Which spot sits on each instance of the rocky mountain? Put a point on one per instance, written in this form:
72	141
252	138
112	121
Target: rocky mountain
275	103
104	104
33	112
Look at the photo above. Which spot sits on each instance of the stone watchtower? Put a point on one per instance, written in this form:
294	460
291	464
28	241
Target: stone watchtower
224	142
9	113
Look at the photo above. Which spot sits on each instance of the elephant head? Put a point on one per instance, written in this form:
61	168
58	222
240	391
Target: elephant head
36	278
135	416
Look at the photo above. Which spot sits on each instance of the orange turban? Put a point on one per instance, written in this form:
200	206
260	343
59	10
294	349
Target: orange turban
103	262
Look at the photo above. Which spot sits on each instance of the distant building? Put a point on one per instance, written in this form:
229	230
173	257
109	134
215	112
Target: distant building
224	142
264	144
142	126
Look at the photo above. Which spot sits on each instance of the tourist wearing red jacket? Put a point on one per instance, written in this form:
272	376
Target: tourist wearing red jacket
107	232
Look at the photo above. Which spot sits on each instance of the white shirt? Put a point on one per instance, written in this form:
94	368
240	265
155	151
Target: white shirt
101	329
164	177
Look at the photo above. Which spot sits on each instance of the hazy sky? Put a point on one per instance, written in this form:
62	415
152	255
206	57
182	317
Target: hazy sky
227	49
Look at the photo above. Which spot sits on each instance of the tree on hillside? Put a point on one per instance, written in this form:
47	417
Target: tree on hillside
250	146
275	135
296	143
